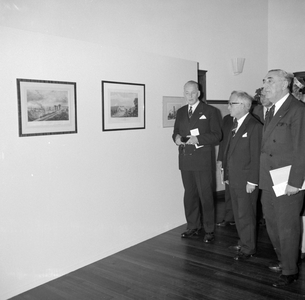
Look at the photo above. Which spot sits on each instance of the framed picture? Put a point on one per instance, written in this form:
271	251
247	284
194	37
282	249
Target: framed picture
170	107
222	105
123	105
46	107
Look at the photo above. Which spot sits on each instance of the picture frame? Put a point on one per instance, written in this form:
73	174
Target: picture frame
123	105
46	107
170	106
221	105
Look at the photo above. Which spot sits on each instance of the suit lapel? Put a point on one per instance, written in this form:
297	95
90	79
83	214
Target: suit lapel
276	119
240	132
196	115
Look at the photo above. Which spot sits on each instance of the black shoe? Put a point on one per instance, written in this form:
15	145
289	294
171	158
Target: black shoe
190	233
275	267
209	237
235	248
222	223
232	223
242	256
285	280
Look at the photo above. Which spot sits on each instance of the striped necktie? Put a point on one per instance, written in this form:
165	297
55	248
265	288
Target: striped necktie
234	127
190	112
269	116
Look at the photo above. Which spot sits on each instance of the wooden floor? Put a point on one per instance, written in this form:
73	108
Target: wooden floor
168	267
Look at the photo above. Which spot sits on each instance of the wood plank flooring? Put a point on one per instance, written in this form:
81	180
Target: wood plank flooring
168	267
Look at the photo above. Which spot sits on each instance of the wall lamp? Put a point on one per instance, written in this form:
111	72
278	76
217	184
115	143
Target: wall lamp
238	65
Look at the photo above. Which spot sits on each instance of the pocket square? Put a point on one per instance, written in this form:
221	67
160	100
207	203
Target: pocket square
203	117
245	135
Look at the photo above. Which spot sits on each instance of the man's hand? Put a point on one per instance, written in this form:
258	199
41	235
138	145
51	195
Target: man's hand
291	190
250	188
192	140
178	140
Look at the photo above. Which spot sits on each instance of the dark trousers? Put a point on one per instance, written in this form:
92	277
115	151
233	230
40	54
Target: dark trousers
244	208
228	209
198	200
283	221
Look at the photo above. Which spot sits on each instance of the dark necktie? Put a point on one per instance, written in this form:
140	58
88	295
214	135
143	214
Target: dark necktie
190	112
234	127
269	116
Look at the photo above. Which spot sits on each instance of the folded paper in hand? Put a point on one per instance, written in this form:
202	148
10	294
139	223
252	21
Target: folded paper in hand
195	132
280	179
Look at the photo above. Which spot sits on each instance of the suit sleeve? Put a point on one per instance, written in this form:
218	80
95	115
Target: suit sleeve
255	150
297	172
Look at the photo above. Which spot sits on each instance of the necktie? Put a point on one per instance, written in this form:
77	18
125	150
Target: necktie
269	116
234	127
190	112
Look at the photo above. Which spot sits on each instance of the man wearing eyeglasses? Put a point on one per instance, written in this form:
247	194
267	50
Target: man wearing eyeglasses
239	153
283	144
196	132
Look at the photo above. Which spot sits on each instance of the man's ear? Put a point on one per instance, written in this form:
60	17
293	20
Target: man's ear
198	94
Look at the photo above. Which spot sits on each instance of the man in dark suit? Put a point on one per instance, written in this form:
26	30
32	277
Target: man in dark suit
283	144
239	153
228	216
196	131
260	112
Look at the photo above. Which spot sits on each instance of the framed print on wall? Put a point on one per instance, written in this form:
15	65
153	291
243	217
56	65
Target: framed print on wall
123	105
46	107
222	105
170	107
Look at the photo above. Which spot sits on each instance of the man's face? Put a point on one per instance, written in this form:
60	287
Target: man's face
274	86
236	107
191	94
265	102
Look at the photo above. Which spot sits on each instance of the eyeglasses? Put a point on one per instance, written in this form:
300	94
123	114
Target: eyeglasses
231	103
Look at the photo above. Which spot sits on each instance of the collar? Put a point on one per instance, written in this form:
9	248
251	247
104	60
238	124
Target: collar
241	120
279	103
193	106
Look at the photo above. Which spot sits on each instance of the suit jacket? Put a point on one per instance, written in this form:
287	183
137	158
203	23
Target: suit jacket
240	154
206	119
258	113
283	144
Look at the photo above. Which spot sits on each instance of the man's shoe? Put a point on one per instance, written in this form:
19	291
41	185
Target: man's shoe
242	256
209	237
235	248
222	223
232	223
275	267
285	280
189	233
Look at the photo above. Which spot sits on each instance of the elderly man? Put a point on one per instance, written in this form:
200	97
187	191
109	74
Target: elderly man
239	153
283	144
196	131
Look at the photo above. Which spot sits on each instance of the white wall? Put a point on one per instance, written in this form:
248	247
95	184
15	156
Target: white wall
69	200
210	32
286	29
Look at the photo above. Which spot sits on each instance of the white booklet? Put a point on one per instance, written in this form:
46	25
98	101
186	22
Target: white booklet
280	179
195	132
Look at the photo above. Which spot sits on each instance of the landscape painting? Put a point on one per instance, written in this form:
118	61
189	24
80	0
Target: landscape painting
123	105
170	106
46	107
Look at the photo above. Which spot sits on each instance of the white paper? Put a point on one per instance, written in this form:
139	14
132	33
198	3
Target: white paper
280	179
195	132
